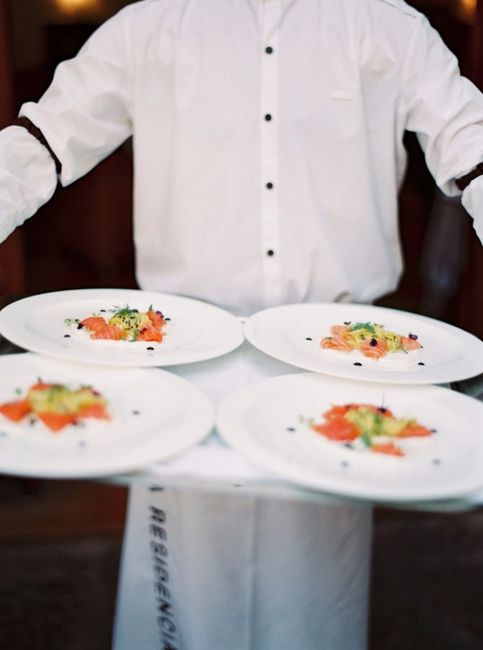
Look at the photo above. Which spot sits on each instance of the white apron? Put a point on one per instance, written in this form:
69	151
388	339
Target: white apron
212	571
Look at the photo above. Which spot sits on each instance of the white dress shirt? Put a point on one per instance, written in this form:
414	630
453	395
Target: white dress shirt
267	141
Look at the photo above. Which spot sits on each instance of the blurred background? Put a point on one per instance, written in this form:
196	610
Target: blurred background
60	541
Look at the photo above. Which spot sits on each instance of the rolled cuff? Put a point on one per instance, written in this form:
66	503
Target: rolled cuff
472	200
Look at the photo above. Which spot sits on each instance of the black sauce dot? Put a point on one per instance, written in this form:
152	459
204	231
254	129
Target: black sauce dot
156	488
237	485
434	430
80	326
373	343
308	338
413	337
291	429
421	363
150	348
357	363
348	445
166	318
103	311
67	336
136	412
436	461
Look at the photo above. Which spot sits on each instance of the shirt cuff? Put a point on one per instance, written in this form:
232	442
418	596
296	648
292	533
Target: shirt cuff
472	200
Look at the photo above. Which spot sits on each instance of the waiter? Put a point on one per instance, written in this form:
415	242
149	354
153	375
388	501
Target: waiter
268	154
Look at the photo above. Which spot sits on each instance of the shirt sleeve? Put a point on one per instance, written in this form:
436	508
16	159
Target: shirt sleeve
445	110
27	177
85	113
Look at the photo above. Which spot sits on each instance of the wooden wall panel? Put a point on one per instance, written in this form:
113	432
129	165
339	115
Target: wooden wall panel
12	278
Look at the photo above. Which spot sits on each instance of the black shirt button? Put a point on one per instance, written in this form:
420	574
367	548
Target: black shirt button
269	49
268	117
270	253
269	186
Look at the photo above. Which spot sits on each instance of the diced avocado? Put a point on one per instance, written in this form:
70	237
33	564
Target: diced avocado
393	341
376	424
130	321
59	399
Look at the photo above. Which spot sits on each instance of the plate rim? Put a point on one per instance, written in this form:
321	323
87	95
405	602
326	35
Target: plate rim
291	472
107	467
422	377
32	342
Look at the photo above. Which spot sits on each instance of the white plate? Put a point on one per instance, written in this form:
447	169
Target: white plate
264	423
196	330
292	333
154	415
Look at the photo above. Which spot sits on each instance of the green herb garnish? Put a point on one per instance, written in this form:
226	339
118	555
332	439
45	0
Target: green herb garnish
366	326
366	439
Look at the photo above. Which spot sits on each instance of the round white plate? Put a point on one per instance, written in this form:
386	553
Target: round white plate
154	415
196	330
292	333
267	422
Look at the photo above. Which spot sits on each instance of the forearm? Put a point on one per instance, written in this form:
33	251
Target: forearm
28	178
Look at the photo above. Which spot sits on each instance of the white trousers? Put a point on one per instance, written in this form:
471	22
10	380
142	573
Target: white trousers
209	571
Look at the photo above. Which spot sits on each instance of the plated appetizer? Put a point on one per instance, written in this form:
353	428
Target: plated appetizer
365	426
56	405
370	339
123	324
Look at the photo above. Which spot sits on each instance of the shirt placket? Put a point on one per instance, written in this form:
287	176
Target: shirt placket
269	182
